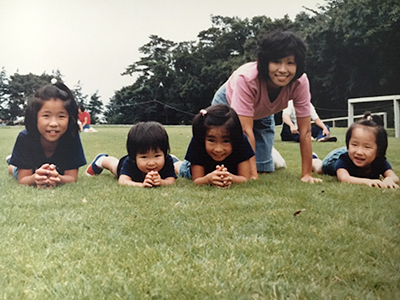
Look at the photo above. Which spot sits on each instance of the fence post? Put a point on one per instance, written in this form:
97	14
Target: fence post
396	106
350	110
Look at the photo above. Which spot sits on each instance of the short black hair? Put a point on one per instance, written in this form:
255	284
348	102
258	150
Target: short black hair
57	90
146	136
278	45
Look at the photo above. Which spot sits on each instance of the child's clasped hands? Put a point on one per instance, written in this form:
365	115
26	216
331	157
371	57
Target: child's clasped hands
151	179
47	176
220	177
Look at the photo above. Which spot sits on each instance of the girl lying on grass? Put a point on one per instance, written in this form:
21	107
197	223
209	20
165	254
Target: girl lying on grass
147	164
363	161
49	151
219	153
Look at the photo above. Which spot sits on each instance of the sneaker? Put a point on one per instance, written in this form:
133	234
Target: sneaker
314	156
279	161
328	139
93	169
174	158
8	159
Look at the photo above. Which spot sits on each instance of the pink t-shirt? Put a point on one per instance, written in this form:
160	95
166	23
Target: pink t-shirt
248	95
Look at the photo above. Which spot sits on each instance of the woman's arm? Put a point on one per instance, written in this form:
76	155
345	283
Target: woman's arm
247	127
304	124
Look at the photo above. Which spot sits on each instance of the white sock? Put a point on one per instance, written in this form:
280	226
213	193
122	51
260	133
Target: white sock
99	162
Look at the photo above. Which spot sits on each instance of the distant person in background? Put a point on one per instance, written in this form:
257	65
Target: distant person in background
84	118
290	131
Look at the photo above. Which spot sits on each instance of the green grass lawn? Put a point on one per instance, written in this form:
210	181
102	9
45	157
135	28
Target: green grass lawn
199	242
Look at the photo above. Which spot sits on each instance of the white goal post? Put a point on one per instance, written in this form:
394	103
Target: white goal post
396	108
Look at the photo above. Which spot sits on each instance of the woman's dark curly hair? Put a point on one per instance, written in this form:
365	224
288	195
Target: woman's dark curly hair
58	90
278	45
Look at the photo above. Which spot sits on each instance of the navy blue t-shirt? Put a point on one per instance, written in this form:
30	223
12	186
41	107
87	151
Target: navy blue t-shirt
128	167
378	167
197	155
28	153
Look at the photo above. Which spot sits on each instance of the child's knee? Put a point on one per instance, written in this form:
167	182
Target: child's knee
317	166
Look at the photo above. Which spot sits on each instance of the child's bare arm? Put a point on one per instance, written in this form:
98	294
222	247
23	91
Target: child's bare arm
46	176
168	181
156	180
344	176
126	180
25	176
213	178
243	172
68	177
391	179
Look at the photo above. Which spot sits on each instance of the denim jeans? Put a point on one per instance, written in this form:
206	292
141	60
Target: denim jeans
264	132
184	170
329	162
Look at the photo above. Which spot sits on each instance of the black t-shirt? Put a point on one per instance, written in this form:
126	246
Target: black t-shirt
129	168
28	153
197	155
378	167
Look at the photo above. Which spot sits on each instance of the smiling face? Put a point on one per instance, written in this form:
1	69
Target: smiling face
362	146
150	161
52	121
218	143
281	71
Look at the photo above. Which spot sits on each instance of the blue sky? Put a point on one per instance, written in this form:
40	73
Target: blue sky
95	40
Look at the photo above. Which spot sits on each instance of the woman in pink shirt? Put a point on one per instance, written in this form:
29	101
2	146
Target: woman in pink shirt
257	90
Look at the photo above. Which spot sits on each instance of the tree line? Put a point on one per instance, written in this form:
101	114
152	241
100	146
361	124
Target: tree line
352	49
352	52
17	89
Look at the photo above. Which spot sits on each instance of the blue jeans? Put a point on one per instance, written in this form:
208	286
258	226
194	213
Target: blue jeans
15	173
329	162
184	170
316	132
264	133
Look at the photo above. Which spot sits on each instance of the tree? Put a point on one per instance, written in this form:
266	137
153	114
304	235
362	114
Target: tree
352	46
78	95
3	92
94	107
20	89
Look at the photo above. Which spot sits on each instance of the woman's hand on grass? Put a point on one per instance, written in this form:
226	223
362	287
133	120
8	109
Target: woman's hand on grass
310	179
